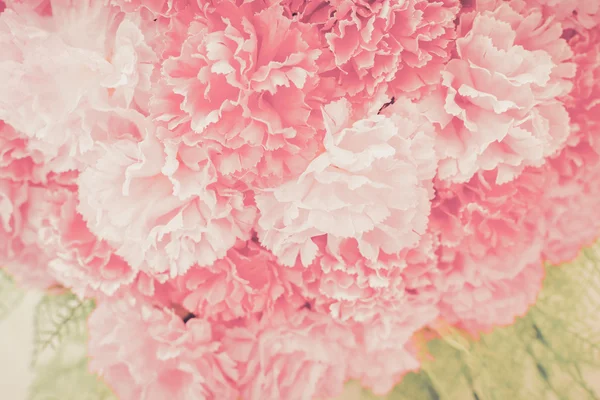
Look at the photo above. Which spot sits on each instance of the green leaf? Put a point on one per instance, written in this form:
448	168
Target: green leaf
65	377
59	318
60	351
10	294
553	352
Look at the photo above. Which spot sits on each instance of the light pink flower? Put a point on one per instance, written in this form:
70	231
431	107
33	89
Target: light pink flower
148	353
583	102
571	201
246	282
161	207
572	195
292	354
64	73
403	44
371	184
574	14
388	291
157	7
17	161
21	254
81	261
491	239
479	308
498	108
241	86
382	367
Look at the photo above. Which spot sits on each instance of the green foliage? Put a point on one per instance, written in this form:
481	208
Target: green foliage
60	360
59	318
10	294
65	377
550	353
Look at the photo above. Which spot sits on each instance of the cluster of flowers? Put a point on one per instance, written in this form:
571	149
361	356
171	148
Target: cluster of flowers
270	197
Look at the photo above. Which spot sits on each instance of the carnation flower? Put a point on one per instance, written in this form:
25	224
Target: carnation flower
571	197
380	368
342	283
491	239
577	14
371	183
498	106
403	44
148	353
292	354
20	252
241	87
161	207
481	307
246	282
584	100
157	7
571	200
17	161
65	71
82	262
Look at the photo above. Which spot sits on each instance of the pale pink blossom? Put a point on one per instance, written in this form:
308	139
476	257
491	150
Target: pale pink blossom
371	184
574	14
241	86
491	238
342	283
291	354
572	195
400	45
479	308
498	106
17	161
21	254
65	72
149	353
384	366
161	207
571	200
246	282
157	7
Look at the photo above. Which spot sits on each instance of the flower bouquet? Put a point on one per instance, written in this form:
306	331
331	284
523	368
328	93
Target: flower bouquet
267	199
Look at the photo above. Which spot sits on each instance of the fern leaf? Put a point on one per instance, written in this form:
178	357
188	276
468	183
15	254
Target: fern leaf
65	377
59	318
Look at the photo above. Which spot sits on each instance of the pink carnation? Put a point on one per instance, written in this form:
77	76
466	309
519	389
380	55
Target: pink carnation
380	368
403	44
147	353
293	354
246	282
491	238
577	14
498	106
20	251
571	205
156	7
482	307
65	71
17	161
161	207
382	293
241	88
571	199
584	100
82	262
572	195
371	183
